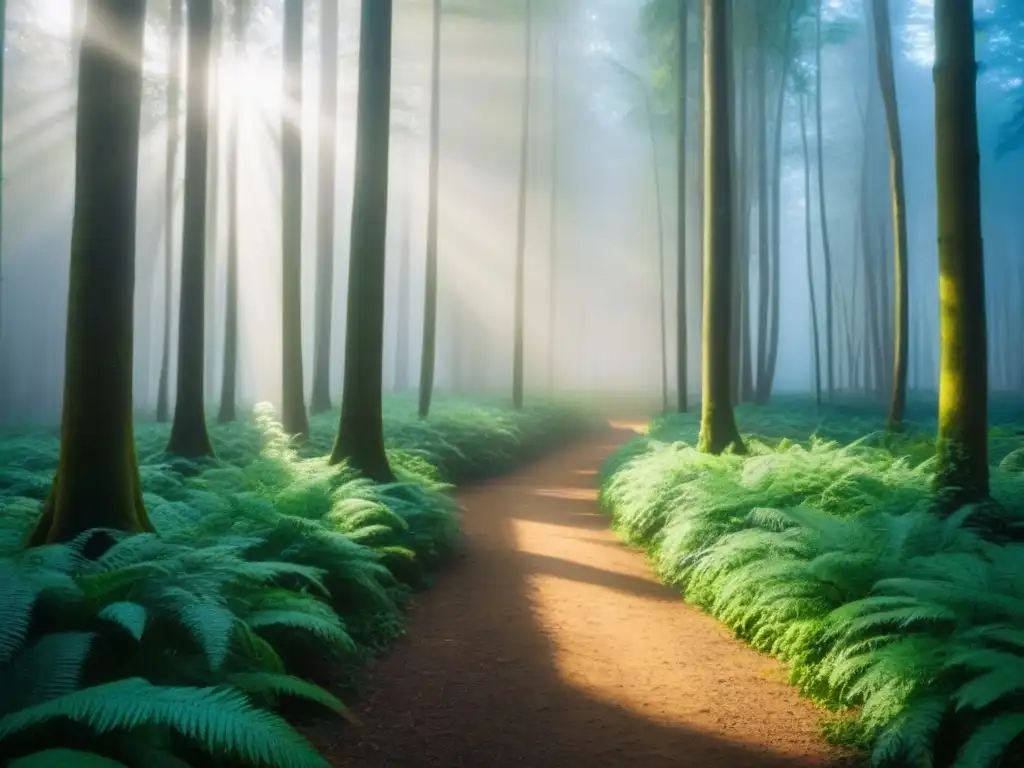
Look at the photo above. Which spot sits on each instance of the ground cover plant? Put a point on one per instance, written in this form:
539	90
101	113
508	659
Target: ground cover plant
268	568
821	546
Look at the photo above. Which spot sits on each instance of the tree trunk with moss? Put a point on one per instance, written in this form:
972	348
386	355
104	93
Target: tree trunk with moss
189	437
887	82
174	55
519	320
320	398
429	350
294	419
97	480
718	430
360	439
229	375
963	474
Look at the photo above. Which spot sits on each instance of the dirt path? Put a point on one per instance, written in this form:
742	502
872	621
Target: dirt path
551	646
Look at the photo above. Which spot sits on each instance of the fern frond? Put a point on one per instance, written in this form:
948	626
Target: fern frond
131	617
265	683
65	758
986	746
217	719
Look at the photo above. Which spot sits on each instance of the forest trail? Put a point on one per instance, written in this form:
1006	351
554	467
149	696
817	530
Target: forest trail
550	645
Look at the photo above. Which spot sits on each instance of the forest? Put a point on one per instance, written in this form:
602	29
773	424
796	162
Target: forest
511	383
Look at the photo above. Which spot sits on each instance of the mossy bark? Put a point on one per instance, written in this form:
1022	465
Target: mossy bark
320	397
229	375
294	419
428	354
887	83
682	74
718	423
189	437
519	319
175	39
97	480
963	473
360	439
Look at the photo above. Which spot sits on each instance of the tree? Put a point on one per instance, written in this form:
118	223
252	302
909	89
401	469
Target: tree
766	376
213	202
360	439
809	249
189	437
963	382
718	424
427	359
320	399
174	55
682	348
826	243
404	277
97	484
229	376
887	82
293	405
553	223
519	321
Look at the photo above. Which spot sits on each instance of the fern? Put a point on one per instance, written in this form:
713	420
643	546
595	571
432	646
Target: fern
219	719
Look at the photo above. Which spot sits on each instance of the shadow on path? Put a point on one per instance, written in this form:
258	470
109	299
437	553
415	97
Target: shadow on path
549	646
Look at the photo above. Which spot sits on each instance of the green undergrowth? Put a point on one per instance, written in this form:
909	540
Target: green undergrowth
269	571
821	547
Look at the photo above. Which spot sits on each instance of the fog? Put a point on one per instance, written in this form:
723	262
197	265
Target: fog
591	200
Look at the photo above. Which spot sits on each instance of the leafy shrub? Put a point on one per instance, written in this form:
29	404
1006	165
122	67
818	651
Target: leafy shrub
178	646
825	554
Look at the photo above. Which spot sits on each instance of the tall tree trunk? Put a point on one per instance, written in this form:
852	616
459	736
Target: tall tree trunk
660	214
524	165
810	261
360	439
320	399
213	208
746	377
738	86
553	226
763	204
294	419
963	383
427	358
229	375
402	382
3	47
189	437
718	424
826	243
765	386
96	484
887	82
682	73
174	56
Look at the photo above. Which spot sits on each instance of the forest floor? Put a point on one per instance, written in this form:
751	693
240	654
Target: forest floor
549	644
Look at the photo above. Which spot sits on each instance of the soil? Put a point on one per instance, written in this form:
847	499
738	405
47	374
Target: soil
550	645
